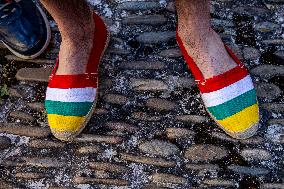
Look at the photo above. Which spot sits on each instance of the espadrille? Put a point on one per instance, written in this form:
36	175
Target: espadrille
71	99
230	98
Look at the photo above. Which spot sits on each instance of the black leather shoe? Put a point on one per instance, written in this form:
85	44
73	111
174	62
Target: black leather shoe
24	28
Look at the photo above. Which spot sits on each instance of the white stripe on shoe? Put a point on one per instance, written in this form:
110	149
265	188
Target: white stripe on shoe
71	95
228	93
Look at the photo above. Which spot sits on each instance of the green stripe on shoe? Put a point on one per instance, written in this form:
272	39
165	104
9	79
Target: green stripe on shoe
233	106
68	108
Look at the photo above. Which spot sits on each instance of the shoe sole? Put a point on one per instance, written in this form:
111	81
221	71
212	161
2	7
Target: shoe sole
48	33
71	137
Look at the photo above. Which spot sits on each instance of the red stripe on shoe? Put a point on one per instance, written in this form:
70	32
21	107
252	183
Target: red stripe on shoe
73	81
219	81
223	80
190	62
99	44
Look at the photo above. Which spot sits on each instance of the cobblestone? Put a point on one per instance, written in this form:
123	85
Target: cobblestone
158	147
156	37
161	104
161	179
22	116
268	91
148	85
255	154
255	171
150	129
148	160
268	71
24	130
203	153
34	74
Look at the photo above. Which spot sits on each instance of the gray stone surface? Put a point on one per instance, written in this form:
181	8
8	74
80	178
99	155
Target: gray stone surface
158	147
204	153
150	128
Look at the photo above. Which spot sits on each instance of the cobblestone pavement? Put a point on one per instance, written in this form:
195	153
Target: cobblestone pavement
150	129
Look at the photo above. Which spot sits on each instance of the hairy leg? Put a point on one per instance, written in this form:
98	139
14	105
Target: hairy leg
202	43
75	23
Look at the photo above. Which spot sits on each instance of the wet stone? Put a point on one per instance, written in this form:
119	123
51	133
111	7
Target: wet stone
88	150
44	162
30	175
15	93
155	37
121	126
160	179
87	180
148	85
34	74
254	171
22	116
251	11
135	6
267	27
171	53
255	154
276	122
117	51
179	133
145	117
223	23
275	133
161	104
251	53
158	147
272	186
192	118
142	65
280	54
252	140
99	139
37	106
5	185
24	130
148	160
145	19
273	107
109	167
219	182
181	82
49	144
273	42
204	153
202	167
116	99
266	71
5	142
268	91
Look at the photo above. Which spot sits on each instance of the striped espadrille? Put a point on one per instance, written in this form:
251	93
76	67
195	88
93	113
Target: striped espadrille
71	99
230	98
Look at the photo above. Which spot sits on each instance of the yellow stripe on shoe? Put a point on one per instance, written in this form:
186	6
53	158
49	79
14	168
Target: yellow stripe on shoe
60	124
242	120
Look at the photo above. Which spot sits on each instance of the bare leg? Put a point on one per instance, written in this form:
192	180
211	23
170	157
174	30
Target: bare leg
75	22
201	42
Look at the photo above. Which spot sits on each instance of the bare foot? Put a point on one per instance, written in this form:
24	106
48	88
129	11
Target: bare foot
208	51
74	52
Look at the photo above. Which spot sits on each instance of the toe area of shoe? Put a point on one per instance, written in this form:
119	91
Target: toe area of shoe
243	124
65	128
